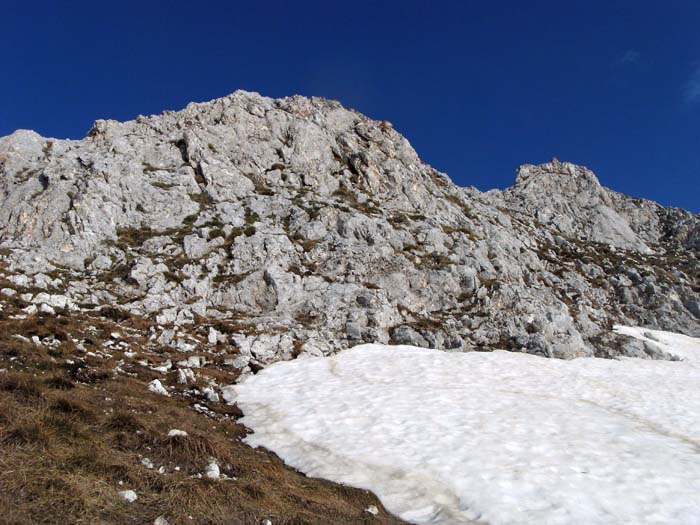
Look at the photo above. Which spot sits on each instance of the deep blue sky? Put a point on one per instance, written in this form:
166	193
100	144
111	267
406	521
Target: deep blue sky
477	87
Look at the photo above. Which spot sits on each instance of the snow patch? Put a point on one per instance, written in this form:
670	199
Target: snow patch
505	438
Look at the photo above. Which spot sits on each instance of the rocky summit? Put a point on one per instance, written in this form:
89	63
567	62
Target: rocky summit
305	228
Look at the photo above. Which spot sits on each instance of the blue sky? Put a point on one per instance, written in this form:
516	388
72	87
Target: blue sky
477	87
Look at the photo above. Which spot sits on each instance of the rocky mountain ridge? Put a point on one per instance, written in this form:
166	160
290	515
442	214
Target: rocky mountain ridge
296	226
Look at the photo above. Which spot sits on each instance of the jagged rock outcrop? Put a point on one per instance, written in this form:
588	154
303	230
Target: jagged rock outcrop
315	228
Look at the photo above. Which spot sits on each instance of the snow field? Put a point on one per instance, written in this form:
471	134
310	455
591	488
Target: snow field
503	438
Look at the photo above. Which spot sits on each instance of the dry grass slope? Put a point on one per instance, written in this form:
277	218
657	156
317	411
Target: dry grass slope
74	433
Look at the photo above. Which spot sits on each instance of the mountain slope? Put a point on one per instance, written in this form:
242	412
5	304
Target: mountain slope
307	227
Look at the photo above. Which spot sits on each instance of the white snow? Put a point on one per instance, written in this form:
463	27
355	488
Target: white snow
507	438
229	394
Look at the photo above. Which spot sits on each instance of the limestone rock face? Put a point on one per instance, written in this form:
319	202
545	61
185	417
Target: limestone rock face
570	200
316	228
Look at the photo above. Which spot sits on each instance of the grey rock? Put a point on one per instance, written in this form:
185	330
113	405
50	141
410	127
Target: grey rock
353	331
316	228
405	335
693	307
656	351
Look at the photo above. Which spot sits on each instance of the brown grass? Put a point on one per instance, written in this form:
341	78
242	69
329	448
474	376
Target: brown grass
66	456
73	433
